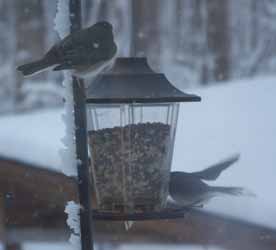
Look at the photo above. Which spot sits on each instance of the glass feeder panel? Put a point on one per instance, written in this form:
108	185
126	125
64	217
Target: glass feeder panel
131	148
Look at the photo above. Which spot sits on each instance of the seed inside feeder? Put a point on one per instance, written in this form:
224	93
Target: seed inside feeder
130	167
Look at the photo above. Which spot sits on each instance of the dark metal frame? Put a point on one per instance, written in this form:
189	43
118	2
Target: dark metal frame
81	143
161	215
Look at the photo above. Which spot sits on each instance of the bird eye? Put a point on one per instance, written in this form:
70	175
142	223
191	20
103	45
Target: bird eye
96	45
106	24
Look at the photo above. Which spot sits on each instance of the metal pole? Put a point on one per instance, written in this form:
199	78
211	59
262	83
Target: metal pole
81	143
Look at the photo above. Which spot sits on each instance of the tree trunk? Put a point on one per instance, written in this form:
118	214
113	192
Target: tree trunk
146	30
30	32
217	36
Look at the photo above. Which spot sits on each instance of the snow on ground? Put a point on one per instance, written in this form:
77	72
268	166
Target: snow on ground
165	247
234	118
61	246
33	138
47	246
238	117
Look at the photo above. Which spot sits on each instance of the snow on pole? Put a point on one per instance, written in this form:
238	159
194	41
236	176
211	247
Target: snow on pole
62	20
72	209
75	158
68	153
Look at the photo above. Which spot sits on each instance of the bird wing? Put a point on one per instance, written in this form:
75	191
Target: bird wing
62	67
80	56
78	38
211	173
96	52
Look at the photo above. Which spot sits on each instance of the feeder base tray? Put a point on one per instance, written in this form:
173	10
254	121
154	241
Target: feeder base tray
161	215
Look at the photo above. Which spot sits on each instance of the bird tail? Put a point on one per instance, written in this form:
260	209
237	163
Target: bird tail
236	191
34	67
211	173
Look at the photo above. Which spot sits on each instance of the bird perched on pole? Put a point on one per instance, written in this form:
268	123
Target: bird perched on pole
86	53
189	189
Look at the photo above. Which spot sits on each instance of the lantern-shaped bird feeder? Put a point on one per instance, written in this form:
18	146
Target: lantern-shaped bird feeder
132	116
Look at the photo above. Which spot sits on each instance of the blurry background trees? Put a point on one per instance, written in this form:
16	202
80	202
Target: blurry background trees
195	42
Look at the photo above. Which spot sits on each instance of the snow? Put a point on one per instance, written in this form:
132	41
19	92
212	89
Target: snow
60	246
47	246
33	138
73	221
236	117
169	246
62	18
68	152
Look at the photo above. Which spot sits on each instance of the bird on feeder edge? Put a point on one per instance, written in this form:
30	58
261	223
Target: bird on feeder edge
189	189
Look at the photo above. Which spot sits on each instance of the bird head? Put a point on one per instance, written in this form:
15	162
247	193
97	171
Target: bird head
102	25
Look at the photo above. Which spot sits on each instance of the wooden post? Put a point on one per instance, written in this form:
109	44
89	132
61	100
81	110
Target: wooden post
3	240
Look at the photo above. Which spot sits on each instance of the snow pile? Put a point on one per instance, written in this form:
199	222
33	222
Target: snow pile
46	246
33	138
61	246
68	153
72	209
62	20
234	118
167	246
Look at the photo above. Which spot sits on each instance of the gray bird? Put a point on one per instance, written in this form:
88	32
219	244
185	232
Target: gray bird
86	53
188	189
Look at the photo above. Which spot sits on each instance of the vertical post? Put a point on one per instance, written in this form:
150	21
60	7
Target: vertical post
81	143
217	38
133	30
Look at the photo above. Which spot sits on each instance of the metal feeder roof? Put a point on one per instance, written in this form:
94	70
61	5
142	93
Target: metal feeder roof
132	81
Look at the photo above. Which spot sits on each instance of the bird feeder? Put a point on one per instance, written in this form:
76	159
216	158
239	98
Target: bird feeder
132	116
